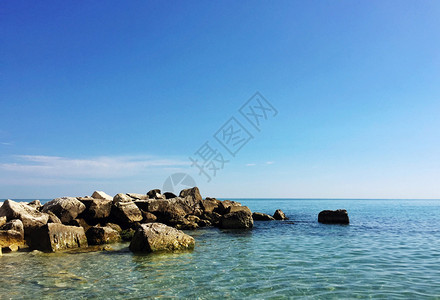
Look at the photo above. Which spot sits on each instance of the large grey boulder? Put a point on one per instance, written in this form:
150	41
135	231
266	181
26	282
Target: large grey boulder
261	217
155	237
12	236
224	205
30	217
125	214
96	209
101	195
279	215
138	196
170	212
124	198
237	218
65	208
155	194
36	204
98	235
339	216
193	193
54	237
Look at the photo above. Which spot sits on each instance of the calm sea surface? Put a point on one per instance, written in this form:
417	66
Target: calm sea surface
391	249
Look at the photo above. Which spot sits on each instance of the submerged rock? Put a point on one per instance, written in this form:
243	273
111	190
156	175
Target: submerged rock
279	215
98	235
54	237
237	218
155	237
262	217
339	216
65	208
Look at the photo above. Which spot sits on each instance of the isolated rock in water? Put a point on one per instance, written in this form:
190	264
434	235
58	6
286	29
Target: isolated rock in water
12	236
169	195
339	216
65	208
3	221
30	217
138	196
237	219
53	237
279	215
126	213
154	237
122	198
36	204
261	217
154	194
96	209
98	235
101	195
193	192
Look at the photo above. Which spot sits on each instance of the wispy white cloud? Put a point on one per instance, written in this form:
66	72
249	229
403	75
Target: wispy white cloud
40	166
270	162
250	165
6	143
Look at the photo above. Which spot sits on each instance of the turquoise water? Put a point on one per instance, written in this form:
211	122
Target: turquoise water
391	249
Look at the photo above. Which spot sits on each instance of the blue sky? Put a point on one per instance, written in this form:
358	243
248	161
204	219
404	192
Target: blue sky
117	96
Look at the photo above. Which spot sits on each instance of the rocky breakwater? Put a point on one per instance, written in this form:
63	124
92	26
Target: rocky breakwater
76	222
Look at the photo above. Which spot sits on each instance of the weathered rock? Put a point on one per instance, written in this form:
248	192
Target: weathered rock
53	237
96	209
126	214
127	234
65	208
148	217
3	221
170	211
122	198
237	219
138	196
154	237
232	209
30	217
101	195
53	218
80	222
12	236
193	192
209	205
261	217
169	195
213	218
36	204
224	205
279	215
98	235
155	194
114	226
339	216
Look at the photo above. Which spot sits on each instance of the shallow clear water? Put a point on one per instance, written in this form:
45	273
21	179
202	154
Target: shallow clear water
391	249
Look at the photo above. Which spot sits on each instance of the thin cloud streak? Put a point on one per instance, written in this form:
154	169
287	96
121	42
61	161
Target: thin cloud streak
36	166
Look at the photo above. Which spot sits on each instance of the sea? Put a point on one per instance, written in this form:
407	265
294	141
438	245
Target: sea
390	250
